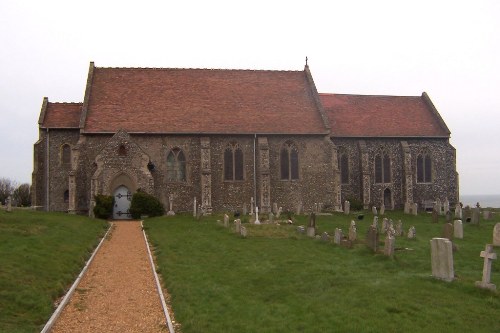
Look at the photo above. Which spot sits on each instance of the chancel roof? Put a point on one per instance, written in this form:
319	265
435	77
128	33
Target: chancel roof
60	115
186	101
383	116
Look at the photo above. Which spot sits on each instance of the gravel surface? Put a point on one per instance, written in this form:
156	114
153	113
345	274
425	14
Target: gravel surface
118	292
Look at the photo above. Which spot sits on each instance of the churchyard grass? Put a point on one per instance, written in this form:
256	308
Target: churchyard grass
41	254
277	280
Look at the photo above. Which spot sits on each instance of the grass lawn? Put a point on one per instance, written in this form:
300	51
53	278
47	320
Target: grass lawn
277	280
40	256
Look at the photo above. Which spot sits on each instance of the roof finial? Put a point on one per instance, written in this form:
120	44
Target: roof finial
306	60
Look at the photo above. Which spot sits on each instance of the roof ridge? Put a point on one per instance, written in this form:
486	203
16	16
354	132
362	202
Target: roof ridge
367	95
81	103
204	69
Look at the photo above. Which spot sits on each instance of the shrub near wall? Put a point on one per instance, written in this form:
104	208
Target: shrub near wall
145	204
103	206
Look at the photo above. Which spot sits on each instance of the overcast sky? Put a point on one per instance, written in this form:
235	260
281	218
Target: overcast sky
450	49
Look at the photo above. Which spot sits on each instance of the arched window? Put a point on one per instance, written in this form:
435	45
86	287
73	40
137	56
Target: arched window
65	154
176	166
344	169
289	162
424	168
233	162
382	168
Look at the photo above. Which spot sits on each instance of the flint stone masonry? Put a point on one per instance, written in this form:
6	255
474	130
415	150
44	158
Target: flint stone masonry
442	259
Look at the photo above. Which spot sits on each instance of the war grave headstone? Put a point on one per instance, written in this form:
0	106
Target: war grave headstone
458	229
311	229
337	236
496	235
488	256
442	259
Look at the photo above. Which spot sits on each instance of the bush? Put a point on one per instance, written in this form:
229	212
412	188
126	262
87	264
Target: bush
145	204
103	206
356	204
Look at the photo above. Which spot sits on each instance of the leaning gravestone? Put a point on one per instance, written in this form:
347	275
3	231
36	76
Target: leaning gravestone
448	231
372	238
496	235
458	229
442	259
488	256
337	238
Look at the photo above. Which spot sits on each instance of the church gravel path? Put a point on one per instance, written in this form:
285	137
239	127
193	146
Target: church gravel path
118	292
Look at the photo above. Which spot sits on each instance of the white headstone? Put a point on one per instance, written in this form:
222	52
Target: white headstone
496	235
488	256
243	231
352	231
374	210
442	259
338	236
458	229
226	221
458	211
237	226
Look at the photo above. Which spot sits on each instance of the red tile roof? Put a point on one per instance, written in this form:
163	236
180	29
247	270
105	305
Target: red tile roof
201	101
383	116
62	115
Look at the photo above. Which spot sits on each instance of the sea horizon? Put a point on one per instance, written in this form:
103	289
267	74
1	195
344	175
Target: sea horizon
485	200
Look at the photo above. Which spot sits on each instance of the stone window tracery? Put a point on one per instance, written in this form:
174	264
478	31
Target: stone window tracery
382	168
176	166
424	168
233	162
344	168
65	154
289	161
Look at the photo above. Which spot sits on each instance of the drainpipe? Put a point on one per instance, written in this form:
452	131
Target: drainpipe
47	166
255	170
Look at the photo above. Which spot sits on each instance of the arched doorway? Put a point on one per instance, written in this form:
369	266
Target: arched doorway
387	198
123	199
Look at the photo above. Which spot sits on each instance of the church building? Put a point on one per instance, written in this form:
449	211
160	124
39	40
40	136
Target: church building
226	136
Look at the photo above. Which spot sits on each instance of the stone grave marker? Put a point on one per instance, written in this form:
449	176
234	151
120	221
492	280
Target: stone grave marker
311	229
448	231
352	231
279	212
256	215
399	228
199	212
385	225
226	221
325	237
382	209
496	235
275	208
389	245
245	211
299	208
414	209
458	229
194	207
372	238
476	214
458	211
271	217
375	222
346	243
251	205
412	233
374	210
449	217
407	208
467	212
390	229
446	206
171	204
337	236
237	226
347	207
243	231
9	204
442	259
487	215
435	216
488	256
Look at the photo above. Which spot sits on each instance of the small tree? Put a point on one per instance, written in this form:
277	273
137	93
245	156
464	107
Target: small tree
22	195
6	189
103	206
145	204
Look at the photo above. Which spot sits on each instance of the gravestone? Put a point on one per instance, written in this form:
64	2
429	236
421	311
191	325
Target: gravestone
271	217
243	231
446	206
496	235
487	215
325	237
382	209
245	211
256	215
389	246
467	212
226	221
488	256
237	226
458	229
414	209
347	207
476	214
275	208
374	210
412	233
442	259
385	225
458	211
438	206
171	204
448	231
194	207
375	222
435	216
311	229
337	237
390	229
199	212
352	231
346	243
399	228
372	238
449	217
9	204
407	208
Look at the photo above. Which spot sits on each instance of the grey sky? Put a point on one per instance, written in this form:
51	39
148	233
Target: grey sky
450	49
